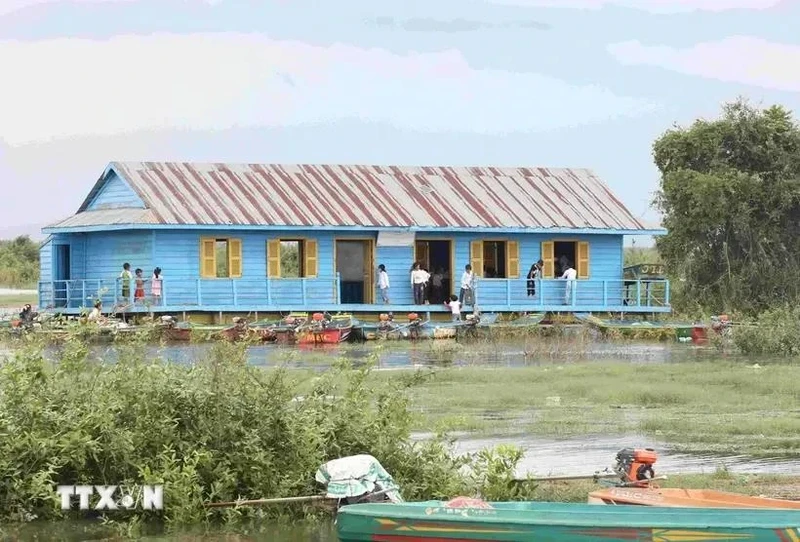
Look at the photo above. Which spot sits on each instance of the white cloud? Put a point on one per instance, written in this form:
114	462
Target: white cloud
737	59
653	6
70	87
9	6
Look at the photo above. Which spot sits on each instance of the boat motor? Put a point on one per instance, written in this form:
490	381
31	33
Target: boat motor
318	323
635	465
385	322
414	324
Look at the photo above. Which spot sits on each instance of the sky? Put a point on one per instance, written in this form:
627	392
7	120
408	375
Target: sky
550	83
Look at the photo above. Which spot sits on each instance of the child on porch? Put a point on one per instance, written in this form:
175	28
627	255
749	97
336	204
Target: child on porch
455	308
138	293
156	286
125	278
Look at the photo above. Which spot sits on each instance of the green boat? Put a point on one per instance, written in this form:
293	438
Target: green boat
695	332
438	521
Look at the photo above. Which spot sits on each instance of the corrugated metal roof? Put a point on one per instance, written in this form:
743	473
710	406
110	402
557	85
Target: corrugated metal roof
378	196
107	217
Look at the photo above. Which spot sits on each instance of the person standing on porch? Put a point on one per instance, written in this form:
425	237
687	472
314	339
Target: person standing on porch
125	278
569	275
156	286
138	293
467	294
419	278
383	283
533	275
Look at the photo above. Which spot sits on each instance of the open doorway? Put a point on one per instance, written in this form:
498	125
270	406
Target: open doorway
436	256
565	253
355	265
62	275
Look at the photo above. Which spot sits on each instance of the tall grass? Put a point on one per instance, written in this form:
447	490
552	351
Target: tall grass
705	406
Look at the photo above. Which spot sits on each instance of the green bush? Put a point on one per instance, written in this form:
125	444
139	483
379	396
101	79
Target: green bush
774	332
19	262
215	431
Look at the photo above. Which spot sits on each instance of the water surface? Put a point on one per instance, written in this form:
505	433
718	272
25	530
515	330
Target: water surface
406	354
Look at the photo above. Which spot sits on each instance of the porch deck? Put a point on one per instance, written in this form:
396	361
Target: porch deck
324	294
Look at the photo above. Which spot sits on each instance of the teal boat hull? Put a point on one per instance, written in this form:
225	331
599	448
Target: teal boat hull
433	521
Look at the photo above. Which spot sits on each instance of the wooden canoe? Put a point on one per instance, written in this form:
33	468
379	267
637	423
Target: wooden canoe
435	521
685	498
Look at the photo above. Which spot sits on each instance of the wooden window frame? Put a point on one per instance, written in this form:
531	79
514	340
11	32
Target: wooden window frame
512	249
309	257
208	257
582	265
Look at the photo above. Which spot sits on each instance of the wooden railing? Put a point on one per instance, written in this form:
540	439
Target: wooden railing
252	294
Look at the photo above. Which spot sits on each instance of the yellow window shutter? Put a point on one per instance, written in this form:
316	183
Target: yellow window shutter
208	259
549	257
274	258
476	256
310	266
583	260
235	258
512	255
421	254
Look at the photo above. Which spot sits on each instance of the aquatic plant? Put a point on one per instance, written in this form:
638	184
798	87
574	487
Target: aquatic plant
700	405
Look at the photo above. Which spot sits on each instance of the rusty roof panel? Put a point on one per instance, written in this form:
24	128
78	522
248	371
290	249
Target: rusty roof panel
376	196
106	217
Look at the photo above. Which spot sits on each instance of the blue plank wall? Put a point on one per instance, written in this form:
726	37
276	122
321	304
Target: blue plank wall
178	255
605	263
98	257
115	194
101	256
46	259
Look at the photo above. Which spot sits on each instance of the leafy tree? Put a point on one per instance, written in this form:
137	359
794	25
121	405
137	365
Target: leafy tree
19	262
730	197
290	259
639	255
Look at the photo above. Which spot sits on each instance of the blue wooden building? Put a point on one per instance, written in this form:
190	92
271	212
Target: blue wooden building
239	238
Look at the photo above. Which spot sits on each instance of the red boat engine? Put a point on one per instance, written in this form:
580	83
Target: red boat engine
635	466
385	322
318	323
414	323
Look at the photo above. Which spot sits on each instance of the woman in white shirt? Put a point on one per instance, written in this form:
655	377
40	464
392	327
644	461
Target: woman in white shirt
419	278
383	283
569	275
